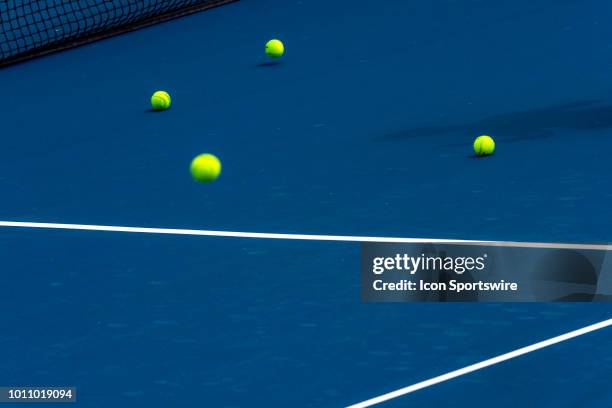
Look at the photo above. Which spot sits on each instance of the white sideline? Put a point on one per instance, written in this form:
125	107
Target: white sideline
307	237
481	365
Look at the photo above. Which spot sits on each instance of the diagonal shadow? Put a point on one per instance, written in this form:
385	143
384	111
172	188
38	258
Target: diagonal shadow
525	124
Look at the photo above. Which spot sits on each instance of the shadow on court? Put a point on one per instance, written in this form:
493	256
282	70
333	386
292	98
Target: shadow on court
525	124
269	64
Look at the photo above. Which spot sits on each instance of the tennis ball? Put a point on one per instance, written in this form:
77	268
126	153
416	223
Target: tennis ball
484	145
205	168
160	100
275	49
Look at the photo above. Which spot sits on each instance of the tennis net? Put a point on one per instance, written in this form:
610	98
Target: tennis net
33	27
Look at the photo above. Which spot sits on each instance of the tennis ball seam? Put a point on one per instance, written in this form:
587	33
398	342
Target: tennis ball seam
160	100
484	145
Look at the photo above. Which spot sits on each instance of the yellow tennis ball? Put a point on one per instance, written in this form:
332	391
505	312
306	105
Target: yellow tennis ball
160	100
275	48
484	145
205	168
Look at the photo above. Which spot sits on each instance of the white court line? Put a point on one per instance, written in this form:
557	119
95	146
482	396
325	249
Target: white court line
307	237
213	233
481	365
347	238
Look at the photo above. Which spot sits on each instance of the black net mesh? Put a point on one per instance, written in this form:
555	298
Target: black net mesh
29	26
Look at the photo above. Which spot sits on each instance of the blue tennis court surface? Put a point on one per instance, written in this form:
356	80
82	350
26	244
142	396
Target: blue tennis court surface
363	128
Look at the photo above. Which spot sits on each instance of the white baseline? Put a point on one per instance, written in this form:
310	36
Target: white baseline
305	237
